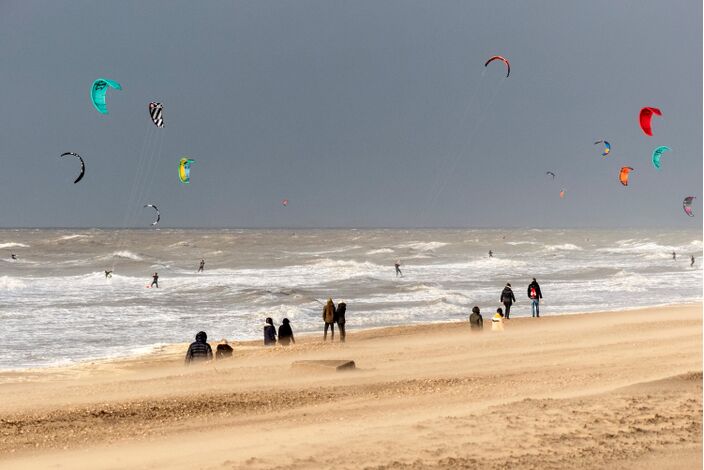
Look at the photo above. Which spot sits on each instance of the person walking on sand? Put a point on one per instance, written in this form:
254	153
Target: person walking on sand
329	319
201	266
199	350
507	298
269	333
397	265
476	322
340	319
497	321
534	295
155	280
286	333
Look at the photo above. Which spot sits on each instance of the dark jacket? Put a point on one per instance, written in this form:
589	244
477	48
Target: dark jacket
286	334
223	350
269	335
199	350
476	321
340	313
534	285
507	296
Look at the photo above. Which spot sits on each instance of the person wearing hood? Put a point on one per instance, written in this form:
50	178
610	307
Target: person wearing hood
340	319
507	298
476	322
286	333
199	350
534	295
269	333
329	319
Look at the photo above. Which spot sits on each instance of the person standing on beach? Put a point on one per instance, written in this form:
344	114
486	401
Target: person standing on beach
476	322
534	295
199	350
201	266
286	333
155	280
340	319
269	333
397	265
507	298
329	319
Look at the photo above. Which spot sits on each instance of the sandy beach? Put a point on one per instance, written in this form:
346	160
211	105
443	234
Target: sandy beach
600	390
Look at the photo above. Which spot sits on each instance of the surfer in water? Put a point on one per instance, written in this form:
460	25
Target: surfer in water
13	256
692	263
491	254
201	266
397	265
155	280
108	274
674	255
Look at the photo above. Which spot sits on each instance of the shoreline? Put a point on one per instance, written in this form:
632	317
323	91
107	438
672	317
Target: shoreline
146	351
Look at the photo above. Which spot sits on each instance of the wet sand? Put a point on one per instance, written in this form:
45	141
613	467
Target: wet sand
601	390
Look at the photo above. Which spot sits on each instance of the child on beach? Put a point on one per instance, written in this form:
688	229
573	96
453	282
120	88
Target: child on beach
497	321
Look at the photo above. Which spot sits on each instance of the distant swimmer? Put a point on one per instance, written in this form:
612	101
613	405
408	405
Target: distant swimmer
13	256
108	274
201	266
491	254
674	255
155	280
692	263
397	265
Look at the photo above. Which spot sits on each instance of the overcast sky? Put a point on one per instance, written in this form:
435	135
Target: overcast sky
362	113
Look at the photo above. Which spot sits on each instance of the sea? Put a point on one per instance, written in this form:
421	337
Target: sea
57	307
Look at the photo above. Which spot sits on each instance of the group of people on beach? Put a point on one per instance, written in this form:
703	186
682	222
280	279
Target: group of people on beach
507	298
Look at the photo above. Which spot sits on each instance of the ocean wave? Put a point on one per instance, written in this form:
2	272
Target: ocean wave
126	254
423	246
9	283
564	247
13	245
380	251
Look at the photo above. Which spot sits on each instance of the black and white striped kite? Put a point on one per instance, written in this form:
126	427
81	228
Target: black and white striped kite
155	111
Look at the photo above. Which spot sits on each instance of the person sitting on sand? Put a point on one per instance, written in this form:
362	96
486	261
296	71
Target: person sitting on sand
223	350
329	319
199	350
476	321
269	333
507	298
497	321
340	319
286	333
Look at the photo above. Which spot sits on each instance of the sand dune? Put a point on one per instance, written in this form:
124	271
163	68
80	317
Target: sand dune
607	390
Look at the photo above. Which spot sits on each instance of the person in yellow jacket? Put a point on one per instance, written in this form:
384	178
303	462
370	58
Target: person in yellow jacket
497	321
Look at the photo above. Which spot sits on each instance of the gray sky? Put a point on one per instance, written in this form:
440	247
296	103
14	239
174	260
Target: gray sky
361	113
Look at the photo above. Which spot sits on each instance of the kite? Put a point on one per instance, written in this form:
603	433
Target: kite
657	154
505	61
607	147
646	114
155	112
83	165
562	194
687	205
184	170
284	202
158	215
550	173
623	175
97	93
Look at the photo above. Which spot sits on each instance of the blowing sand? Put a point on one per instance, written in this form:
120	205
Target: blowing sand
608	390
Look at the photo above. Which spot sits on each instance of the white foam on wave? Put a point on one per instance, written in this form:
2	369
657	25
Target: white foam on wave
127	255
11	283
72	237
380	251
423	246
13	245
564	247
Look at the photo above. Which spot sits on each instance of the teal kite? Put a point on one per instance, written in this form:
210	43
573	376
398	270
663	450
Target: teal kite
657	154
97	93
184	170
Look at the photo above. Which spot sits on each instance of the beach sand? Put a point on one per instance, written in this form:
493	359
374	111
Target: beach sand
600	390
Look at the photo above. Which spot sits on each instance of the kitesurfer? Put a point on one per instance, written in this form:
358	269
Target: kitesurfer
108	274
476	322
155	280
13	256
199	350
286	333
674	255
397	265
491	254
507	298
692	263
534	295
201	266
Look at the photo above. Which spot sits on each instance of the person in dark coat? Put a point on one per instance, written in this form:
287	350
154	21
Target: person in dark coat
223	350
340	319
534	295
199	350
269	333
507	298
329	319
286	333
476	322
